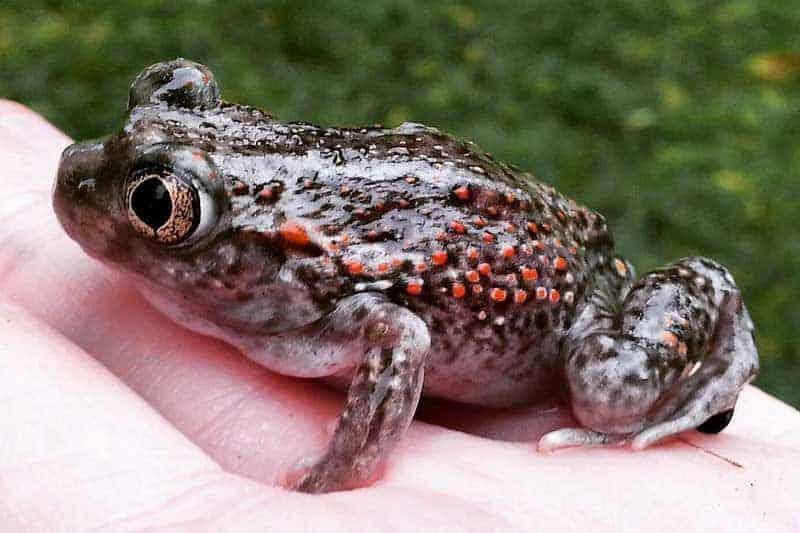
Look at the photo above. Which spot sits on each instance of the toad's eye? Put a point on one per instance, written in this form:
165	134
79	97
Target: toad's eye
165	208
151	203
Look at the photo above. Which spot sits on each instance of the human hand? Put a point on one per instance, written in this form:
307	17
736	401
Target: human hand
115	418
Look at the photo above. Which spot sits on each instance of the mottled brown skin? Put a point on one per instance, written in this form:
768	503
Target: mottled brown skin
403	261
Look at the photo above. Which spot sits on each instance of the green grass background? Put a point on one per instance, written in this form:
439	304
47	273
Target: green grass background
679	119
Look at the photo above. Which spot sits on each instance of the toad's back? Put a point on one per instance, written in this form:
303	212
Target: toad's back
493	261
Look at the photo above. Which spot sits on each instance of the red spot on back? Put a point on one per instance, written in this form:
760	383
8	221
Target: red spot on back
485	269
507	252
294	233
462	193
459	290
458	227
532	227
354	267
266	194
480	222
472	254
420	267
561	263
472	276
439	257
488	237
520	296
382	268
414	287
529	273
497	294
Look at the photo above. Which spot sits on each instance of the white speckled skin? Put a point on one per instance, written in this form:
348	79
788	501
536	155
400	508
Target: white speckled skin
405	261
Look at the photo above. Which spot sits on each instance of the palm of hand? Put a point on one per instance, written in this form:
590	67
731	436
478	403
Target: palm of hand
116	418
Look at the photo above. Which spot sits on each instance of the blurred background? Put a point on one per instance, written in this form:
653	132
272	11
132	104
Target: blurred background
677	119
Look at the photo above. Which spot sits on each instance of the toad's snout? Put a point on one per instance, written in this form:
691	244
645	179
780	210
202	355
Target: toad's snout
75	193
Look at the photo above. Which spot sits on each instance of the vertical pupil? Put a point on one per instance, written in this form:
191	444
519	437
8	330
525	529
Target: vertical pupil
151	202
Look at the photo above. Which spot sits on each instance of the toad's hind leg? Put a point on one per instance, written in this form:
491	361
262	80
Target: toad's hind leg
672	356
387	344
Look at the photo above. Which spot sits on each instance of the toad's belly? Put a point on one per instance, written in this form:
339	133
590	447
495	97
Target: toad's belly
487	373
484	368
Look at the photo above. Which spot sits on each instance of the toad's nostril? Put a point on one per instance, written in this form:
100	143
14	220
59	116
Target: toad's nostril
79	163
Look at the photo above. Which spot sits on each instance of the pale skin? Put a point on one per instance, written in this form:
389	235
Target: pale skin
115	418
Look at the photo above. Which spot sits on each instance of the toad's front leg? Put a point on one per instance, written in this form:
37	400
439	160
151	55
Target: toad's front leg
386	345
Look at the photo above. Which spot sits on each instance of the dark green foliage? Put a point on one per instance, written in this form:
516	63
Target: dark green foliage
678	119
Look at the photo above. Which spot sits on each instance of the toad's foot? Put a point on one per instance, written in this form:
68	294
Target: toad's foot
682	350
579	437
572	437
387	344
